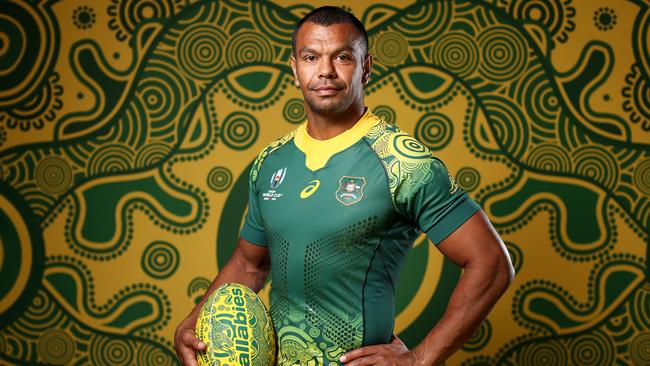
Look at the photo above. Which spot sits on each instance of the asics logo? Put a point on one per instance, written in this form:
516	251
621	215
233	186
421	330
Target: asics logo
310	189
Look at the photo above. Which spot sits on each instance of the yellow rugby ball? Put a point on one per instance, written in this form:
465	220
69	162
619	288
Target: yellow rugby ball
237	329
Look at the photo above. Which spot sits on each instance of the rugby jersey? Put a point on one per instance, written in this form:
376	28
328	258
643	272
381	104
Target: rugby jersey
339	217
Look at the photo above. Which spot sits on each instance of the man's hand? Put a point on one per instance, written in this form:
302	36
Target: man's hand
185	342
393	354
248	265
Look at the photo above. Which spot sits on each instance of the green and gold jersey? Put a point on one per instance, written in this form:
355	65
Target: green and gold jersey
338	217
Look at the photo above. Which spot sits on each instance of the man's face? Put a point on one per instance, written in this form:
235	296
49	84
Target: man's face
330	66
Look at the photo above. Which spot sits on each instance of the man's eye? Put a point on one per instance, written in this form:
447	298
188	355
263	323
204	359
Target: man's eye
344	58
310	58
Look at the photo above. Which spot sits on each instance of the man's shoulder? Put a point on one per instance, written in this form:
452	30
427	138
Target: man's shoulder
268	150
408	163
390	142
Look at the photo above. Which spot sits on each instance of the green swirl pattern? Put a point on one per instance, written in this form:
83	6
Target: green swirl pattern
128	129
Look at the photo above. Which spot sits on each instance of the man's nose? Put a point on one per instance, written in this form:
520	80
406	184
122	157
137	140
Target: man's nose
326	68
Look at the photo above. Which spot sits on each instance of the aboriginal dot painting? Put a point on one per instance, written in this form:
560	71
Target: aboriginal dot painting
127	129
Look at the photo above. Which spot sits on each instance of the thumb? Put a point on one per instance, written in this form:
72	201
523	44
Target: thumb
189	338
200	345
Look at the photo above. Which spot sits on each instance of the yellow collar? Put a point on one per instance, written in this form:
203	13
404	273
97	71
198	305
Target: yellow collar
318	152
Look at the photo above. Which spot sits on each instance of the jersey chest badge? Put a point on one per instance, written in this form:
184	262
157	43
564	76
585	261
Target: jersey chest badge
350	190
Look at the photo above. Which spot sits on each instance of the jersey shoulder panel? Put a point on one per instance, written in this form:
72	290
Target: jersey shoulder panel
268	150
408	163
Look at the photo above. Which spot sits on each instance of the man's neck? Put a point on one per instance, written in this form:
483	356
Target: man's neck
324	127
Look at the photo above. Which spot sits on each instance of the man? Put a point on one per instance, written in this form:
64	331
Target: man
334	207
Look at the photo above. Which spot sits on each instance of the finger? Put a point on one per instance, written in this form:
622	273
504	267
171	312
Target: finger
364	361
360	352
189	339
188	357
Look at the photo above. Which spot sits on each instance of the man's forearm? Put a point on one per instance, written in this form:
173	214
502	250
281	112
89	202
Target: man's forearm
475	294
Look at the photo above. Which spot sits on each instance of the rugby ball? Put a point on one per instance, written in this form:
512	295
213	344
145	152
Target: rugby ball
236	328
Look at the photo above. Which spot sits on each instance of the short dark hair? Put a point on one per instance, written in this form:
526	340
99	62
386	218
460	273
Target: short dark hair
328	15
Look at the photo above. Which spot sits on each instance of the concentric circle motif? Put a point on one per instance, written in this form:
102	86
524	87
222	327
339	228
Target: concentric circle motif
435	130
641	177
540	99
219	179
42	314
391	48
110	351
409	147
161	92
200	51
294	111
149	354
639	349
592	349
509	123
386	113
239	131
110	159
598	164
468	178
151	154
550	157
53	175
550	352
456	52
480	338
503	53
55	347
160	260
247	48
426	22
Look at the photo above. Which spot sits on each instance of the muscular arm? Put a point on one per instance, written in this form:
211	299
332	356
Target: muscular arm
477	248
248	265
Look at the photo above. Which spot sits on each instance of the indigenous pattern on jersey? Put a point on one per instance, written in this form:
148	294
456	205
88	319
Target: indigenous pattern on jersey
338	217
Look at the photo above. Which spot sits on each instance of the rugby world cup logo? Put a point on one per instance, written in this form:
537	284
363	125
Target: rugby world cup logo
278	177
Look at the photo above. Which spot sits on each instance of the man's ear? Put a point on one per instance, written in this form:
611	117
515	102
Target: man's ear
367	69
295	74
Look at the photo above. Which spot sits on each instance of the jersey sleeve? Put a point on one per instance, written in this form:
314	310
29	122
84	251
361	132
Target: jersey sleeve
253	230
434	202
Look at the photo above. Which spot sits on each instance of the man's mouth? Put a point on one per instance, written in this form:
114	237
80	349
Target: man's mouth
326	90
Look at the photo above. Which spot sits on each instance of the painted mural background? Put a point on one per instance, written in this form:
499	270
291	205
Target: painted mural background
127	129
